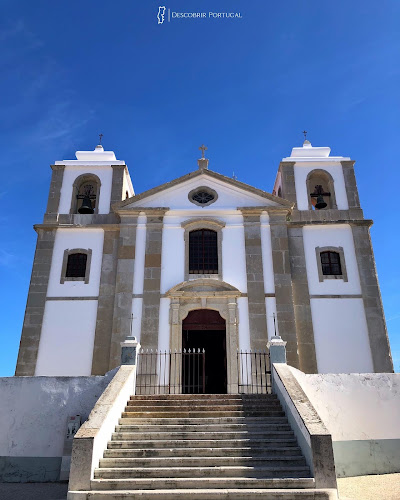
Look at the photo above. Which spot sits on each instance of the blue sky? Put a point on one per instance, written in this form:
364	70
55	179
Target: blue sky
245	87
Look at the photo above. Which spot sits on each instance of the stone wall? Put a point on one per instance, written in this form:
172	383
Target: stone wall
33	416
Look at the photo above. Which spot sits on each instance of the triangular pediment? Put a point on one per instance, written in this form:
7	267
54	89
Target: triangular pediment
174	195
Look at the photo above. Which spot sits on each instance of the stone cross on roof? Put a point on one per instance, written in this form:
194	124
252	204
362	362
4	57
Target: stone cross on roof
202	149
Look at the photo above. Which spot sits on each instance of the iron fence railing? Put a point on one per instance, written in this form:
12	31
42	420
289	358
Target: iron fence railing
184	372
167	372
254	373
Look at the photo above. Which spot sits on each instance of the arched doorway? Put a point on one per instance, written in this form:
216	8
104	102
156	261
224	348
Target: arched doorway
206	329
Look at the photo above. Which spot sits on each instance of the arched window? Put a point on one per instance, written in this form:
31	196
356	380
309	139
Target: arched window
320	190
330	262
76	265
85	197
203	252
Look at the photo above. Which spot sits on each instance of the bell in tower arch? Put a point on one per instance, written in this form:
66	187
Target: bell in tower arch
86	194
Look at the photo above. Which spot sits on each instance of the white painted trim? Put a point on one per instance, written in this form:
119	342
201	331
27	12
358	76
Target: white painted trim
140	251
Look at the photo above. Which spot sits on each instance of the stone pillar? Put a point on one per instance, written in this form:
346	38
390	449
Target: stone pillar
123	288
151	282
53	201
55	189
301	301
277	350
232	347
255	279
350	183
378	337
129	351
105	307
117	184
288	184
32	327
283	283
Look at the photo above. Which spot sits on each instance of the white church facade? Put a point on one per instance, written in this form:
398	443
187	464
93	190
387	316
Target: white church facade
204	253
274	296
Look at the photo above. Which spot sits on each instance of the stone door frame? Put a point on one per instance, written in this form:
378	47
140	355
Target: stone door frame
207	294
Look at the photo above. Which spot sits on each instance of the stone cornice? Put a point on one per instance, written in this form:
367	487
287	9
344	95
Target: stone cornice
271	210
348	163
50	227
286	164
160	211
361	222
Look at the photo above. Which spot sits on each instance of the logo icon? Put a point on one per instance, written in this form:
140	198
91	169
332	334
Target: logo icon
161	15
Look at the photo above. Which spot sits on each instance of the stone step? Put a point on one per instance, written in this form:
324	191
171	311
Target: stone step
203	452
172	462
200	421
170	397
199	483
153	436
207	494
211	413
272	406
201	443
196	472
156	404
202	428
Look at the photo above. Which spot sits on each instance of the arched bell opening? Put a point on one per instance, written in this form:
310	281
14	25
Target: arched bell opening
321	191
85	194
204	332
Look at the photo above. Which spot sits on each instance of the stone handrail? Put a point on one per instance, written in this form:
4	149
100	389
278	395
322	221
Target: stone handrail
91	439
313	437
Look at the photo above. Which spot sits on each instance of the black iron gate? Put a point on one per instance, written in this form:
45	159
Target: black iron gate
166	372
254	372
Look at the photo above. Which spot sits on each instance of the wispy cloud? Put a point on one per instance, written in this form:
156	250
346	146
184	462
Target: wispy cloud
59	121
396	316
7	259
41	106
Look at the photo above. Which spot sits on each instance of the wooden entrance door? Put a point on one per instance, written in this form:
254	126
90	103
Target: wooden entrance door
206	329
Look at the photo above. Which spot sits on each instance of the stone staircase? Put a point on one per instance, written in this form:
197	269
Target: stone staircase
204	447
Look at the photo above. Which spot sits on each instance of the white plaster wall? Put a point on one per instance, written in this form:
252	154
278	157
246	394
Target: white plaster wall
355	406
137	304
34	411
66	340
244	327
172	253
127	186
104	173
266	249
270	306
341	336
140	251
76	238
332	235
301	171
164	326
234	253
